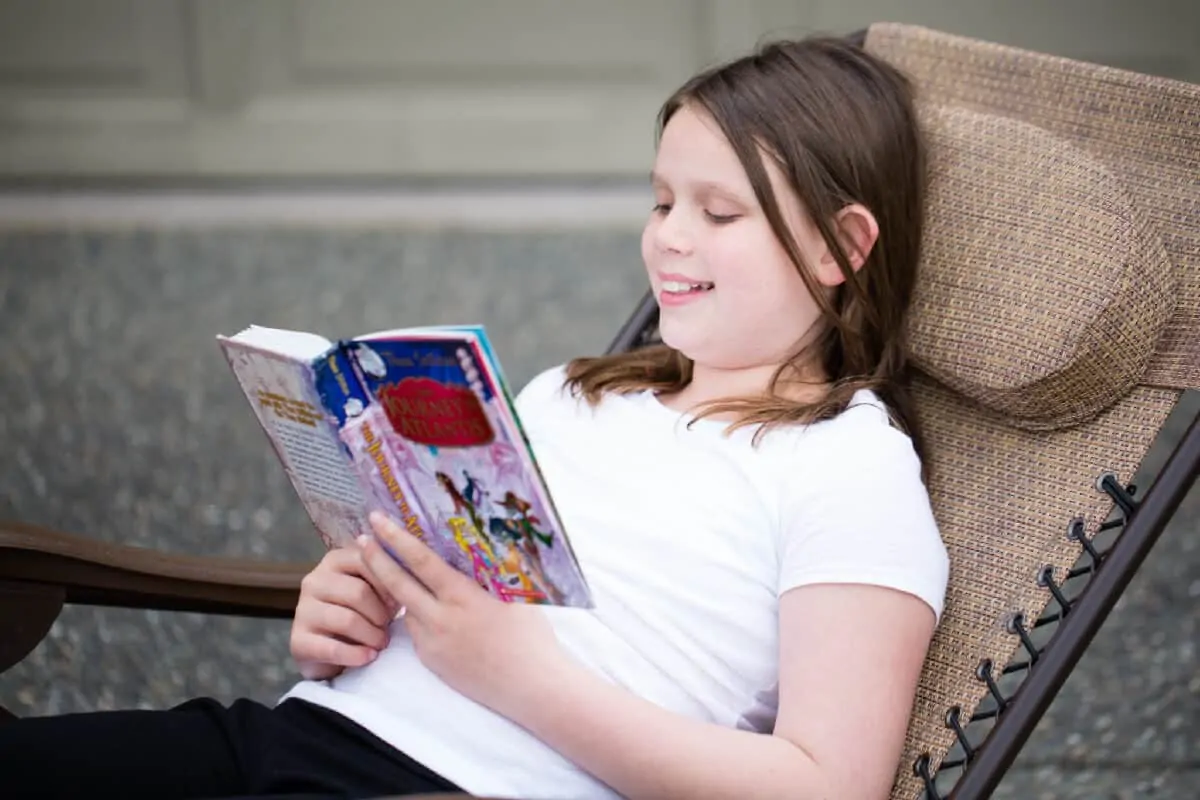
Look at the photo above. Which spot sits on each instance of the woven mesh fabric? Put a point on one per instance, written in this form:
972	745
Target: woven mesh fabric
1037	260
1016	437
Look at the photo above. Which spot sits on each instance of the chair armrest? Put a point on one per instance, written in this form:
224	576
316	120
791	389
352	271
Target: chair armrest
92	572
42	569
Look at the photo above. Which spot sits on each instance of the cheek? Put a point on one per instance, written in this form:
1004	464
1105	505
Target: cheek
648	249
762	286
754	267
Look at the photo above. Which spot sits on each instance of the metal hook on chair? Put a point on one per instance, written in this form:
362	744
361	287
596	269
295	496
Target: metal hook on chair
954	723
984	673
1122	496
921	770
1046	578
1016	624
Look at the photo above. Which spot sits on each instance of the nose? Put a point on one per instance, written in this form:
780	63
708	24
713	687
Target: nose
671	234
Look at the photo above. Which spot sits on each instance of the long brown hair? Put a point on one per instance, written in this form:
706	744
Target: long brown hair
842	127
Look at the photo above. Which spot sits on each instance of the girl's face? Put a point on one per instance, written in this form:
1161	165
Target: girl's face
729	296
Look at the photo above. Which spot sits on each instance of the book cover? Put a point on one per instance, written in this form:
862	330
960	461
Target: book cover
418	423
459	447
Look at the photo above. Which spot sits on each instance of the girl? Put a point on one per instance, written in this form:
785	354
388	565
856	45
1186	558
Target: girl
746	500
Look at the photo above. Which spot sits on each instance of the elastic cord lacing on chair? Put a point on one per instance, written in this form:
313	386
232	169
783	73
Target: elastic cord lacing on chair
972	736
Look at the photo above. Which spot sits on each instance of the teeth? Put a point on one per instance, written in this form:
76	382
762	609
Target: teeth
680	286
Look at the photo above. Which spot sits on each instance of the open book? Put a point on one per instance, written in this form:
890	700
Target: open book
418	423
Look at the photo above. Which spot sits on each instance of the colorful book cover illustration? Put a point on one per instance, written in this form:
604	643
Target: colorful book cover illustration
421	424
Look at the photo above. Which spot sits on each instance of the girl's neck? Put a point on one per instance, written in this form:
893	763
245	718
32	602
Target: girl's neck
711	384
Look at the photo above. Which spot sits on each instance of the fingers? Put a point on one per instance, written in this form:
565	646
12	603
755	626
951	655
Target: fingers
412	596
348	624
419	560
322	656
314	671
333	636
355	593
390	604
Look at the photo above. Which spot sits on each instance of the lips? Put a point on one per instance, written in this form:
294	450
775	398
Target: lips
677	290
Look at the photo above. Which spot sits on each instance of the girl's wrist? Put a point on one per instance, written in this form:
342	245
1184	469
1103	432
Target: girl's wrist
544	684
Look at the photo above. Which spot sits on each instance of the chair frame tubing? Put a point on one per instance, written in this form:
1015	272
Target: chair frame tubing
1075	632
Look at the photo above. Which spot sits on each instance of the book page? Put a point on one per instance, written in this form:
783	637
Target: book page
318	462
305	437
298	345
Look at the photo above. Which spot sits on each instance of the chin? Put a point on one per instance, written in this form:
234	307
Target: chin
700	349
687	344
676	339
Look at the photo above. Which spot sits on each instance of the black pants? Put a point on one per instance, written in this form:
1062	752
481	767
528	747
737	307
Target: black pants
202	749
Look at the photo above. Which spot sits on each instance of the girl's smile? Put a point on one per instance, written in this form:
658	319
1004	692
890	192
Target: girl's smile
677	290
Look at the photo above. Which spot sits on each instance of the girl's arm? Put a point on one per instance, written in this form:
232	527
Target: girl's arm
850	658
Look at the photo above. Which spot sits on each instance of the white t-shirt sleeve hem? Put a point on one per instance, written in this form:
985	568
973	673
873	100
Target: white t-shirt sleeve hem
857	511
901	581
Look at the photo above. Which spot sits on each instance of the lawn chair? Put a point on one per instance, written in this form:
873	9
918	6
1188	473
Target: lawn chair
1056	324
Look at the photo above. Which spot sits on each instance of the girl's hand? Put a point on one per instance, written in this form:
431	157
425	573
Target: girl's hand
495	653
342	618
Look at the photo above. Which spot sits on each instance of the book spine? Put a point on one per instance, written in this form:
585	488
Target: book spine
367	434
338	385
366	438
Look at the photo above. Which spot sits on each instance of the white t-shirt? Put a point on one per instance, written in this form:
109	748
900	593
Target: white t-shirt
687	539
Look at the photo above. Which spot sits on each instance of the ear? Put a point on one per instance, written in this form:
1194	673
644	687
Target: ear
856	230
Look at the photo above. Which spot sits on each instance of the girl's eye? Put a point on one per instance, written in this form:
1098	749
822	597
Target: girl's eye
661	208
720	219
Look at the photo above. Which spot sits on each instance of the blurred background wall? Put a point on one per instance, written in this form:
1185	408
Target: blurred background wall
465	89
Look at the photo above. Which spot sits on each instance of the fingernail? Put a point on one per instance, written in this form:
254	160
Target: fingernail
363	539
381	519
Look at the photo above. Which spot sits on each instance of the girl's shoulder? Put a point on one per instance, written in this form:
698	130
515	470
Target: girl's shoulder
545	388
861	438
866	418
867	415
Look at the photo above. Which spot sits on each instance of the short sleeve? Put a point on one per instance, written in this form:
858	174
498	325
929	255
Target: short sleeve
860	513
